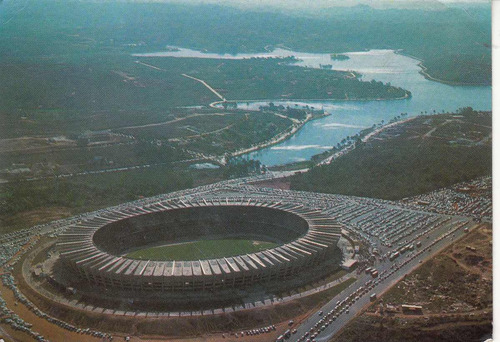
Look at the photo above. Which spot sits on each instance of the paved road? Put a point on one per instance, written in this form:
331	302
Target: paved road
390	273
150	66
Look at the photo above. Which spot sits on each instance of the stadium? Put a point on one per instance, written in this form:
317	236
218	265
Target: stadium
97	250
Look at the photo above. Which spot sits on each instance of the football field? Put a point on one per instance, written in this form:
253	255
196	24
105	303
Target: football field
202	249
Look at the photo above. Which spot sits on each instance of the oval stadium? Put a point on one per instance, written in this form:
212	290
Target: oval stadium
98	250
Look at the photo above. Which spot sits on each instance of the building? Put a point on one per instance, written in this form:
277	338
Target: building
94	249
350	264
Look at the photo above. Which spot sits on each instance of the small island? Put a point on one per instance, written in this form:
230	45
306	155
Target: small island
338	57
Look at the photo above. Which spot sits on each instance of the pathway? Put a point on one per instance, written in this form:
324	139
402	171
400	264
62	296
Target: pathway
206	85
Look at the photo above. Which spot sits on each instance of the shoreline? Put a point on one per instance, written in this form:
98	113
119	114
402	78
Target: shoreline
215	103
279	137
328	160
295	128
421	64
423	72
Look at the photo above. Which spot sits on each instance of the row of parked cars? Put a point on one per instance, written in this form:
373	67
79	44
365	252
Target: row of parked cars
343	306
252	332
17	323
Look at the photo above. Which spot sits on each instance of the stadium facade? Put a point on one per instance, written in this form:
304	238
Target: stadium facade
94	249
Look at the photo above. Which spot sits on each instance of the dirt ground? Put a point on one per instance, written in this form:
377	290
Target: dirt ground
278	183
455	292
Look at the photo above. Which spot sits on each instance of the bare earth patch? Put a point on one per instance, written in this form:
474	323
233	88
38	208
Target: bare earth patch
32	217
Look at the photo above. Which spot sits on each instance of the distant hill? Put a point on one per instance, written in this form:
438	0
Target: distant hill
454	43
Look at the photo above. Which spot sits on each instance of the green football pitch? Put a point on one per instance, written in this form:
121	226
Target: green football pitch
202	249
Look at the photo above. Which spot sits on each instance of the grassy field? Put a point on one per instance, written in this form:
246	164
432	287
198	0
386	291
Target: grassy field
203	249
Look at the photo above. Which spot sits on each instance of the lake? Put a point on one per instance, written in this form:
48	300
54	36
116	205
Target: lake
350	117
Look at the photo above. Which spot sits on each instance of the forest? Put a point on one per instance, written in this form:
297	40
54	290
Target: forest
441	38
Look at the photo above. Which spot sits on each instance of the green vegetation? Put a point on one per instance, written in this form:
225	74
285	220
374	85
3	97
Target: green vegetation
239	167
203	249
77	80
173	141
413	158
251	129
293	113
457	69
75	159
71	98
216	132
75	30
52	99
338	57
292	166
199	124
258	78
65	197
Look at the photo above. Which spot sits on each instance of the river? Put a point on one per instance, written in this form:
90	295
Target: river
350	117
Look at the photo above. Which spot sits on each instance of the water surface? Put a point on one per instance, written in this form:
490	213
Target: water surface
350	117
